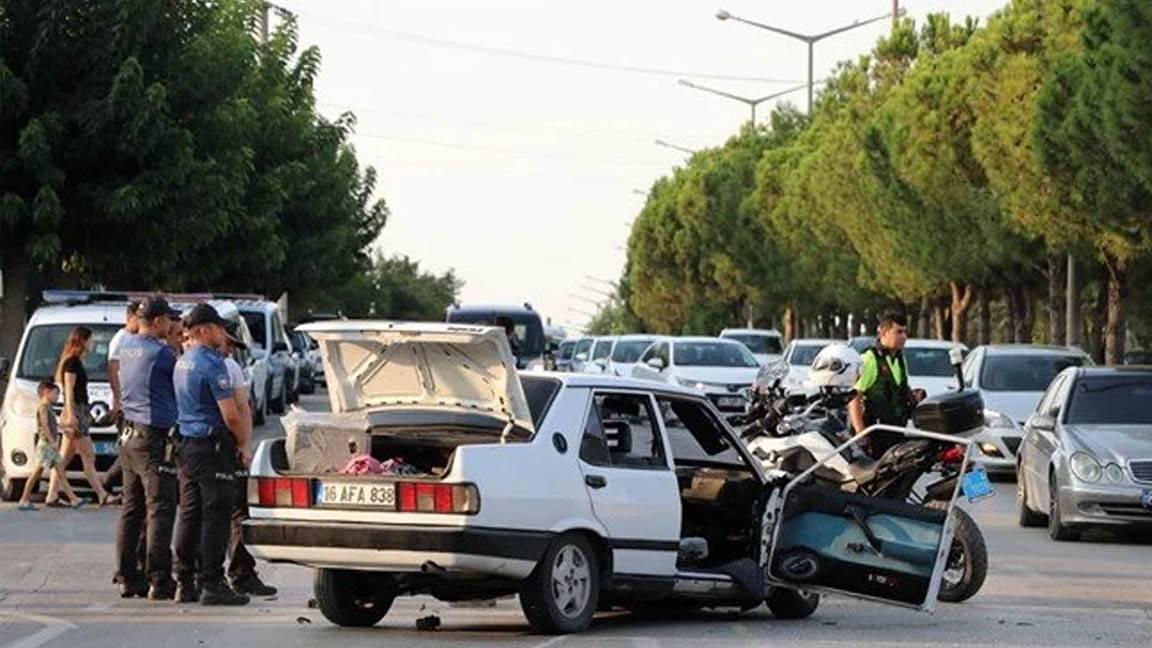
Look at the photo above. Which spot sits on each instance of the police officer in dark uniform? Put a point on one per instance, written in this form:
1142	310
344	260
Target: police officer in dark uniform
883	395
212	437
148	402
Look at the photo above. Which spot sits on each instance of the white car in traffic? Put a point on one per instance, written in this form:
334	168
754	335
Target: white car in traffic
766	344
575	492
798	355
724	370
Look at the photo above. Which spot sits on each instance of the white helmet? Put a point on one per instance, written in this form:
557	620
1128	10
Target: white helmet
837	366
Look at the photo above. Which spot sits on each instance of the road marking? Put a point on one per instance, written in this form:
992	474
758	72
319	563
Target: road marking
52	628
554	641
100	607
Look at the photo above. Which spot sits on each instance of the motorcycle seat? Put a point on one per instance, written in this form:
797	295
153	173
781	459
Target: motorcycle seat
863	470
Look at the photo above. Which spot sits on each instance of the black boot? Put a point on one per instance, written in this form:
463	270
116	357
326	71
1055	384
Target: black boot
162	591
132	590
187	592
219	593
252	584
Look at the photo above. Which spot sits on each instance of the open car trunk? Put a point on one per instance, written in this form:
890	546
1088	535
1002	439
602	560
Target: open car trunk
404	397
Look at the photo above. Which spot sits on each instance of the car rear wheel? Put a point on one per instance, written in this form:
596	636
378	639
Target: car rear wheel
1057	530
1025	516
351	598
792	604
561	594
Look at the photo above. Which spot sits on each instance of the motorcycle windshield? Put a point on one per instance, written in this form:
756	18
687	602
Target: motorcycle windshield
832	540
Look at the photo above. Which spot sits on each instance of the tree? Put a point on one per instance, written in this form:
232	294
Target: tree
1090	103
395	288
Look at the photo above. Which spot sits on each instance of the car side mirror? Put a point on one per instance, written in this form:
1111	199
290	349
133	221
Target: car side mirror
1043	422
601	363
279	346
656	363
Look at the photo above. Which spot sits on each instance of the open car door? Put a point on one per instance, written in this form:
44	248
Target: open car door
829	540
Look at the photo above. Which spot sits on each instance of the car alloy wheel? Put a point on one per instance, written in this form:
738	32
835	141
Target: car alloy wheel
571	581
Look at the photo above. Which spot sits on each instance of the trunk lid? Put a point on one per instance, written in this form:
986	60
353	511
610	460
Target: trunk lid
376	365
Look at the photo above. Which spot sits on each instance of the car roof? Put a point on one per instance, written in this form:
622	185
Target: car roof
1031	349
606	381
262	306
696	339
815	341
926	343
639	337
1124	370
96	313
752	331
521	309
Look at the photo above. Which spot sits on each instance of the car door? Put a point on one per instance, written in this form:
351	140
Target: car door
885	550
1039	443
642	368
630	482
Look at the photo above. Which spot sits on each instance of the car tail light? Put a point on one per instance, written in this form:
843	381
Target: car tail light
293	492
436	498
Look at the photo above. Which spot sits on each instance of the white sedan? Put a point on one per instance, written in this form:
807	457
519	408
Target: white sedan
722	369
443	472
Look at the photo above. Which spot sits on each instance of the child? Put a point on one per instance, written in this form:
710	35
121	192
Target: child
48	453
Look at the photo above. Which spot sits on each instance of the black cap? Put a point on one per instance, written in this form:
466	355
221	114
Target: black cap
204	314
232	329
154	307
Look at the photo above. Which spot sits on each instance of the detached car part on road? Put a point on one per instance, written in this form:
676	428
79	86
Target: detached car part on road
575	492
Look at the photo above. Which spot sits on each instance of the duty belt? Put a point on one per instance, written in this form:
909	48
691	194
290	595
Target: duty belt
133	430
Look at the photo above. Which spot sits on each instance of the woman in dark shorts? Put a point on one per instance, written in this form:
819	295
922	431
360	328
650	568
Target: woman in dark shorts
76	419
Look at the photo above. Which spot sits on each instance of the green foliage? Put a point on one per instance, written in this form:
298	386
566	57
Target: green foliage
395	288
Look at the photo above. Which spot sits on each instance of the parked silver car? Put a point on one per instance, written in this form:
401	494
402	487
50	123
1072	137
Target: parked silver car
1086	457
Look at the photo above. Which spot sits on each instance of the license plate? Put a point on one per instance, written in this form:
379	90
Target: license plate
976	486
106	448
351	494
729	401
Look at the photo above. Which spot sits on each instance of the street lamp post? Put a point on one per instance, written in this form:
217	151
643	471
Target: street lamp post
749	101
682	149
809	39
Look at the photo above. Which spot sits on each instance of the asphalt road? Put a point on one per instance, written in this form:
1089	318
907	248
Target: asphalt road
56	590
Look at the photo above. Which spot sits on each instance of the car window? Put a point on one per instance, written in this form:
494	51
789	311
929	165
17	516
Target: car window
45	342
804	354
929	362
1111	400
625	426
695	436
627	351
566	349
757	343
540	392
662	352
277	330
255	321
583	346
713	354
1045	404
1024	372
970	367
602	349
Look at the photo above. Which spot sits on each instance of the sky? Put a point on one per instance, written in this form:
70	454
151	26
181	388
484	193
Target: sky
514	140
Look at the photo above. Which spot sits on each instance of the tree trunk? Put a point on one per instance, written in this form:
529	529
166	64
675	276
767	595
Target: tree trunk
985	315
17	273
938	319
961	300
1073	315
1057	298
1098	321
925	318
789	324
1013	310
1116	328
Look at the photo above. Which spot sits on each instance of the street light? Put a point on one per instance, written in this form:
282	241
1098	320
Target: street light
682	149
810	39
749	101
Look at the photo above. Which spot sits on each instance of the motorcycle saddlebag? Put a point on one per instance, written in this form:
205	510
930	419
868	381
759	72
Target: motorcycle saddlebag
954	413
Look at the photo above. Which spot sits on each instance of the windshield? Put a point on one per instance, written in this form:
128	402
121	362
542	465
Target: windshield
803	355
928	362
602	349
44	343
630	350
566	348
255	320
1024	373
1111	400
583	346
713	354
766	344
528	333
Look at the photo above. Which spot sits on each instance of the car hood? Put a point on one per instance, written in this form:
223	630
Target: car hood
374	364
1017	406
1113	443
718	375
765	358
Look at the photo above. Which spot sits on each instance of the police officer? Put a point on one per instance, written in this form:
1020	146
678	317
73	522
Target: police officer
882	392
241	565
148	402
212	437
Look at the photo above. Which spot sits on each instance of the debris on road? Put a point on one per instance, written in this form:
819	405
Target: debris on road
303	620
312	604
428	623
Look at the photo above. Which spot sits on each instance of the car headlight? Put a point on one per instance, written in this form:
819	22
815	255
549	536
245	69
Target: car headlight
990	450
1114	474
996	420
1085	467
694	384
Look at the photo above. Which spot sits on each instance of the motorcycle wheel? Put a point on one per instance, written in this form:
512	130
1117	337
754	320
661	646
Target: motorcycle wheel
967	564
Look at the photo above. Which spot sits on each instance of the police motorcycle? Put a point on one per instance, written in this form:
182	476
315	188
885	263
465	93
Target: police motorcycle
809	436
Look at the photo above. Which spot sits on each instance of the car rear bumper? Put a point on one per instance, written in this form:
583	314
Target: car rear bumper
1104	505
399	548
